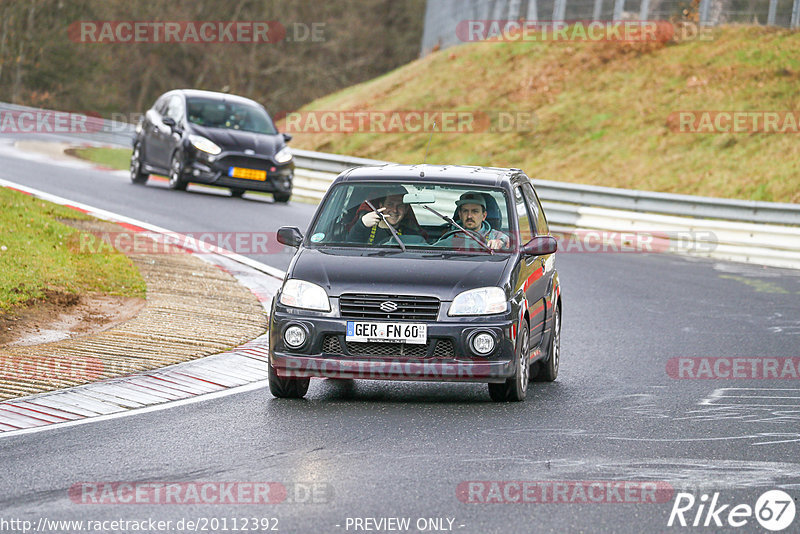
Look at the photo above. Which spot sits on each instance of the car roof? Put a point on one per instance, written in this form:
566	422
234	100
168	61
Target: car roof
214	96
426	173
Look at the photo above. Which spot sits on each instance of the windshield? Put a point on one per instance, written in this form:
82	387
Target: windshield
229	115
432	217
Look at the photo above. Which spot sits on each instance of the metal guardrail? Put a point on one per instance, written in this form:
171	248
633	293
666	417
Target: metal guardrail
90	128
607	197
765	233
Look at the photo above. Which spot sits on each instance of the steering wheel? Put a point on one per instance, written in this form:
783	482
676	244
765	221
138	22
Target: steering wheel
459	231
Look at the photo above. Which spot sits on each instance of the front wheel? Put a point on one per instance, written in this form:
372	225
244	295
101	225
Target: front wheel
548	371
515	388
137	176
286	388
176	181
282	197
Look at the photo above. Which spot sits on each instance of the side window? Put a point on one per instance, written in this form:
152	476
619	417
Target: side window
526	230
540	222
175	108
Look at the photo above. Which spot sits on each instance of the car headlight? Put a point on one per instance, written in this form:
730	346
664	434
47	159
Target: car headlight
481	301
302	294
205	145
284	155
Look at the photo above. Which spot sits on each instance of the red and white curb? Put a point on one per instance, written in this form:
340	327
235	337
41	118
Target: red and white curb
241	369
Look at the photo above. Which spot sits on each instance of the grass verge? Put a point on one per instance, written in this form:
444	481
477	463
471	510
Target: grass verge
114	158
602	111
39	254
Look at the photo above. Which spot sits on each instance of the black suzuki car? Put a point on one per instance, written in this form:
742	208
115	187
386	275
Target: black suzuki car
421	272
212	138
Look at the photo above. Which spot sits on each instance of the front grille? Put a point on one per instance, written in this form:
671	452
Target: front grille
387	349
444	349
244	162
408	307
331	345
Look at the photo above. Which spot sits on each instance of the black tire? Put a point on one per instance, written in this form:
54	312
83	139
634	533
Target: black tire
515	388
137	176
176	181
282	197
237	193
548	370
286	388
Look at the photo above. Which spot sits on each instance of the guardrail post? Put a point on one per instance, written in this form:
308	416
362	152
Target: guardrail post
559	9
795	14
598	9
704	7
619	7
644	10
773	6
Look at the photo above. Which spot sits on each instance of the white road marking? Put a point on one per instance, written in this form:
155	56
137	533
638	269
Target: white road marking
242	369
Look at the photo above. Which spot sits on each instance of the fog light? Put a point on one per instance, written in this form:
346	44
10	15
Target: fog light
294	336
483	343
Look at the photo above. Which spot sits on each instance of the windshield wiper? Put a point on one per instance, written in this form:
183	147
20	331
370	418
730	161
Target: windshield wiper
470	233
391	228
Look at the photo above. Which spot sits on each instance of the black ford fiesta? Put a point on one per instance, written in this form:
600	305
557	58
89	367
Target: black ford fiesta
443	273
212	138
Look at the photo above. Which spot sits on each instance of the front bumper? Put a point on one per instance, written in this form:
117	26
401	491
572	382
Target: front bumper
214	171
446	357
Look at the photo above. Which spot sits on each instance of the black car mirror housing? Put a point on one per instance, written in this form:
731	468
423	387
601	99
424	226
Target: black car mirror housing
540	245
289	235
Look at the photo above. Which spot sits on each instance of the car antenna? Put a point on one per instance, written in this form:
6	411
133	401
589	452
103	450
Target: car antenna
422	173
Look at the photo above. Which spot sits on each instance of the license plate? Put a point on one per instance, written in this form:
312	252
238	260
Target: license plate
413	333
247	174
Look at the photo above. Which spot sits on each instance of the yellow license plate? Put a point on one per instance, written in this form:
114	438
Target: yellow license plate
247	174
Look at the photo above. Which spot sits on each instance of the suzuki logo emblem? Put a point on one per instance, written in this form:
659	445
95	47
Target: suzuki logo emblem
388	306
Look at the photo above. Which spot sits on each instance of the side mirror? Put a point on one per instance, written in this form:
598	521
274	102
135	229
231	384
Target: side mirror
289	235
540	245
169	121
287	137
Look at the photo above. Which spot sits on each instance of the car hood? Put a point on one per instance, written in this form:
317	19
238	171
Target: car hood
239	141
399	273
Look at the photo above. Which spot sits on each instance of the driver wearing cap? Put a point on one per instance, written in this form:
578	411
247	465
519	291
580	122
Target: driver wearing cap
472	215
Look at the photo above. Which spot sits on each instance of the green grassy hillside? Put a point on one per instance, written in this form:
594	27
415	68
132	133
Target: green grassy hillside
602	111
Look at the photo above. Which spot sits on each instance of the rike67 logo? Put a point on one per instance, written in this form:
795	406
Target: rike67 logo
774	510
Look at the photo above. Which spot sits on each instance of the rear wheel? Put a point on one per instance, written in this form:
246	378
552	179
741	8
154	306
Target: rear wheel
548	370
286	388
282	197
176	181
515	388
137	176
